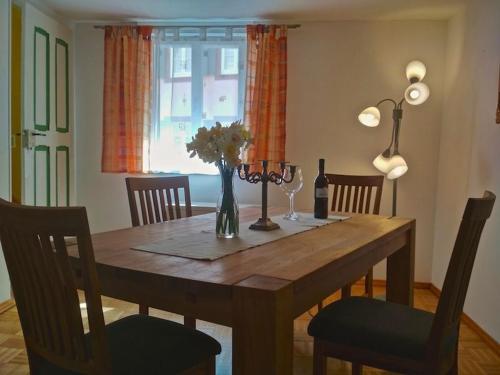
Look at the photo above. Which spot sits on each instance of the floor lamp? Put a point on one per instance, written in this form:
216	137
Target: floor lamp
390	162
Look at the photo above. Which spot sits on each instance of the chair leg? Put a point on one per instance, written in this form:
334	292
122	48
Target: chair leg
143	309
204	368
357	369
346	291
369	283
211	366
190	322
320	305
319	359
34	362
454	368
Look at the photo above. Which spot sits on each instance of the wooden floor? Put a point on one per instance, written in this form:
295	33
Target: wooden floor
475	358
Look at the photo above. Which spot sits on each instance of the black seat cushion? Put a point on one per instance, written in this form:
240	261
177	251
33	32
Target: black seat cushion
141	344
375	325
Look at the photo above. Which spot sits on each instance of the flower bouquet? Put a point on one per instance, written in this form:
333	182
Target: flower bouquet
223	146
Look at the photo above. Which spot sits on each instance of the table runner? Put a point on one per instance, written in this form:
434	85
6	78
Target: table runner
204	245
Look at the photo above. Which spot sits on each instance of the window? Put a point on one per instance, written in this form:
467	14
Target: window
199	80
180	62
229	61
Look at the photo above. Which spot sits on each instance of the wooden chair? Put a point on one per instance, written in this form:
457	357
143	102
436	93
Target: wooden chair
156	206
354	194
45	290
399	338
155	199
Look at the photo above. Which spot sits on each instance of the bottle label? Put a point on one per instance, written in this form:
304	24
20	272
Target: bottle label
322	192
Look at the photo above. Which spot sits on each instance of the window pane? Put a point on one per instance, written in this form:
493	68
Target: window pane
229	61
181	62
175	121
220	85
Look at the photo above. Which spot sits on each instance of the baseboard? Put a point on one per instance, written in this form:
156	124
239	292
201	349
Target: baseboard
435	290
6	305
466	319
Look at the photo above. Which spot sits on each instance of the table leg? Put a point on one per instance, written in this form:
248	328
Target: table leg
346	291
401	271
262	326
143	309
190	322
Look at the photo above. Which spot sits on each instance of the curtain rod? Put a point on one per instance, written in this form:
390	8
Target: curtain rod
292	26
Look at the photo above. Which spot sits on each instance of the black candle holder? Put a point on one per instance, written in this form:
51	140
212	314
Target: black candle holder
264	223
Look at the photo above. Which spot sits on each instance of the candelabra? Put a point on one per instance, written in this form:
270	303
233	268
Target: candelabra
265	223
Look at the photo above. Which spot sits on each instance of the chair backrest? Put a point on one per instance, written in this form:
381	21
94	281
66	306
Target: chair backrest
44	286
155	198
354	193
451	301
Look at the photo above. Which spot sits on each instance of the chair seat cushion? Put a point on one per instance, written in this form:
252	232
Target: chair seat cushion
141	344
374	325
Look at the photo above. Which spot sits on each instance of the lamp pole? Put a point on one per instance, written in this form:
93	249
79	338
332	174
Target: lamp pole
397	115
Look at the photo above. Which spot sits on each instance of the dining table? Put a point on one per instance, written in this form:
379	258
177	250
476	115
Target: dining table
258	291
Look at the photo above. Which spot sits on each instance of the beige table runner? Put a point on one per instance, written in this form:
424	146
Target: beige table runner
204	245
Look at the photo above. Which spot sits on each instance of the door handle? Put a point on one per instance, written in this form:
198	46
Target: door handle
29	138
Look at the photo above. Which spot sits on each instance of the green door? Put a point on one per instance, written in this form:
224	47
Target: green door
47	135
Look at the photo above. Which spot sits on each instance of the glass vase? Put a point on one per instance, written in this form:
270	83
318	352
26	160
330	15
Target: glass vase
227	223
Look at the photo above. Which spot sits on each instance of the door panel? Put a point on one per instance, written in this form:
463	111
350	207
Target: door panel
41	172
62	86
41	79
48	165
62	176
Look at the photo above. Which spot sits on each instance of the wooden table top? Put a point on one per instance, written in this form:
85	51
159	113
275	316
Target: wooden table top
290	258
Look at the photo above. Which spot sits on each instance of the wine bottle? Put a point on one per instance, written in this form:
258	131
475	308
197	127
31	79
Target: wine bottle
321	193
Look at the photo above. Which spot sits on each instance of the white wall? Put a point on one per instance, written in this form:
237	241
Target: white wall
338	69
4	128
469	160
335	70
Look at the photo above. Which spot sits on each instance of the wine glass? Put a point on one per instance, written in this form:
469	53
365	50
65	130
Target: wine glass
291	189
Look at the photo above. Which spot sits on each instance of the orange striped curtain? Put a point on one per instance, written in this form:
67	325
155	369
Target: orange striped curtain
265	109
127	97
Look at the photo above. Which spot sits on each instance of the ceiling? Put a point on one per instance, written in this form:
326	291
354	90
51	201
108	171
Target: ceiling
298	10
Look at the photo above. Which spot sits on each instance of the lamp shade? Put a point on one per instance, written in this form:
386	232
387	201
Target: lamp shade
417	93
397	167
415	69
381	162
369	117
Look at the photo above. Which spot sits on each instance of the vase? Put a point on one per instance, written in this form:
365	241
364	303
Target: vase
227	223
